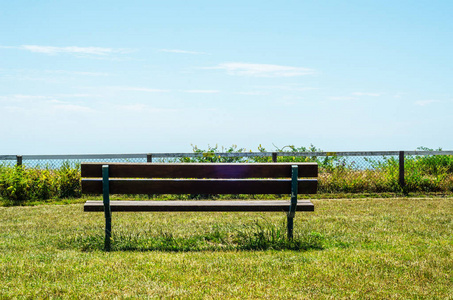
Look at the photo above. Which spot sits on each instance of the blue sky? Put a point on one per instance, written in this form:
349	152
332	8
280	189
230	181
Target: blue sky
158	76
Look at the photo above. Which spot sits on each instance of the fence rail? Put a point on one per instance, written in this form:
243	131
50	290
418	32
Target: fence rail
221	154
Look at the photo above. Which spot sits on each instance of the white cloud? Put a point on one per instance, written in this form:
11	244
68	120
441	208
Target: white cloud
47	76
289	100
289	87
57	101
255	93
139	108
82	73
139	89
74	50
38	104
71	50
425	102
78	96
20	97
262	70
399	95
72	108
342	98
182	51
366	94
354	96
34	99
202	91
25	100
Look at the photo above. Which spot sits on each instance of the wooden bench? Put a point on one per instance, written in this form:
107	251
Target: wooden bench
198	178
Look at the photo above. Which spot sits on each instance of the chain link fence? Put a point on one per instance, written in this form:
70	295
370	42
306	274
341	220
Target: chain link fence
57	161
339	172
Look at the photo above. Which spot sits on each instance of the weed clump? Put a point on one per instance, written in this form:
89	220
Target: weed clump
257	236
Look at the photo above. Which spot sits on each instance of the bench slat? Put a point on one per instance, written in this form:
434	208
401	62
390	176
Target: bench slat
199	170
213	206
199	186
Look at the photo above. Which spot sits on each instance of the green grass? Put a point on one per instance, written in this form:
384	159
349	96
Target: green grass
398	248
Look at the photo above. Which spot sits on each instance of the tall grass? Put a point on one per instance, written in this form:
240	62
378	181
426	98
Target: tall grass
260	235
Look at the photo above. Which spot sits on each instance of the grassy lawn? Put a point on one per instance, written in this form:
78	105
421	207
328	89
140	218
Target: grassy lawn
371	248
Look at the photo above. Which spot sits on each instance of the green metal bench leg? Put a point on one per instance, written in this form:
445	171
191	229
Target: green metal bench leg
107	211
292	207
290	221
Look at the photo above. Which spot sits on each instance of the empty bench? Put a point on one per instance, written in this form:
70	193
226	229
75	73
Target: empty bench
198	178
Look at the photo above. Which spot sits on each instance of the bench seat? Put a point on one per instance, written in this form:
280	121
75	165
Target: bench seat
214	206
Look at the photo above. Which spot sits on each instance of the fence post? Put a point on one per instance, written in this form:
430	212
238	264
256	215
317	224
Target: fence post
149	157
274	156
401	173
18	160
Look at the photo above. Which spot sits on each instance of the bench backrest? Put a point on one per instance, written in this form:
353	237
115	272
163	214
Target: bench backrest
199	178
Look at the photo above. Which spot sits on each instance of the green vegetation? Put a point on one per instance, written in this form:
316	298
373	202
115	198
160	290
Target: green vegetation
356	249
259	235
19	184
423	174
337	175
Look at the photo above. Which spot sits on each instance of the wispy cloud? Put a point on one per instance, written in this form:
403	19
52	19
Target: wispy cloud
138	89
74	50
354	96
38	104
72	108
342	98
81	73
48	76
21	98
262	70
140	108
289	100
182	51
399	95
253	93
202	91
289	87
366	94
77	95
425	102
45	98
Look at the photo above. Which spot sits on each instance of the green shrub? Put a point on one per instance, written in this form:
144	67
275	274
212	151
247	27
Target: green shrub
14	184
69	181
210	155
19	184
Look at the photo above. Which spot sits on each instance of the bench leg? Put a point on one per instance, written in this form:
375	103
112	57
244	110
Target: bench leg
107	211
292	207
108	231
290	224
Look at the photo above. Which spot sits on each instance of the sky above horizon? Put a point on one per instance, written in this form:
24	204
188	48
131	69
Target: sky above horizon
133	76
